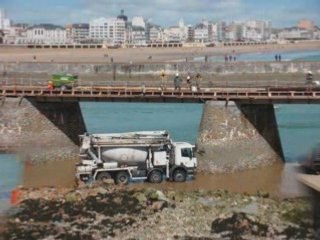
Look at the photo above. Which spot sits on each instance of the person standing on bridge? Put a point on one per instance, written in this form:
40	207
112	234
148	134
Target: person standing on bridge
189	82
163	80
177	82
198	81
309	78
50	85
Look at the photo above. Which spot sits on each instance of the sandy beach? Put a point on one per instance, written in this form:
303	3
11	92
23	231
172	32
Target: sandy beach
139	55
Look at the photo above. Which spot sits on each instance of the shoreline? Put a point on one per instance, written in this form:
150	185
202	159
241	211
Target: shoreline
141	55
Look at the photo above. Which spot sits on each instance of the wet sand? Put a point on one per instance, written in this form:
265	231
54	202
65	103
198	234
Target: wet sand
279	180
139	55
55	174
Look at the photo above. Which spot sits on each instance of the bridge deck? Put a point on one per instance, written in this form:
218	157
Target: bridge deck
148	94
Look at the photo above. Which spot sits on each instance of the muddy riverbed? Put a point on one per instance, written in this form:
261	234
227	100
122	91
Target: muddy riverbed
278	179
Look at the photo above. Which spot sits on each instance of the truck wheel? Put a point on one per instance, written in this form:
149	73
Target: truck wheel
179	175
103	176
122	178
155	177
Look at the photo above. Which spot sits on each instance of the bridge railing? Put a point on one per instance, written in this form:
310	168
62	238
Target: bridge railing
8	81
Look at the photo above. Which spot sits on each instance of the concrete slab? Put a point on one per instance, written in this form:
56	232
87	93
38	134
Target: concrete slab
312	181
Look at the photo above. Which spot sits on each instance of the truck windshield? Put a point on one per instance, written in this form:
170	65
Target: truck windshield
186	152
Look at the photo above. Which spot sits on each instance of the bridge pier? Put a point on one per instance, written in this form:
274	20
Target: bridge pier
41	131
237	137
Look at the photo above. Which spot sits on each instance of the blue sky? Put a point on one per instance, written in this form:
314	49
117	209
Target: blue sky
282	13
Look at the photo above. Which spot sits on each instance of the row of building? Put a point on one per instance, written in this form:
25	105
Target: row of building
137	32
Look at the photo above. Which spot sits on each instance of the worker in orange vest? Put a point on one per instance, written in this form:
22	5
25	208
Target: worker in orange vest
50	85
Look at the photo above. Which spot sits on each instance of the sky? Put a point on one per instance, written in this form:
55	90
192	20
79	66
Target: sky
282	13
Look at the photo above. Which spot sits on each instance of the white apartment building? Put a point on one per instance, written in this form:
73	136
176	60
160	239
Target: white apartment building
107	30
201	33
78	33
172	34
257	30
155	35
295	34
213	32
136	36
221	31
46	34
4	22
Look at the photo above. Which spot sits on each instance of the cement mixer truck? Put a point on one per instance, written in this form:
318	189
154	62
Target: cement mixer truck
124	157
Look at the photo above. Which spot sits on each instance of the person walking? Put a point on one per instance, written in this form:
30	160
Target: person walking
276	57
226	58
177	82
279	57
198	81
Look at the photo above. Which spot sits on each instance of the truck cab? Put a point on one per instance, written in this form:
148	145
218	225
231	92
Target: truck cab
64	81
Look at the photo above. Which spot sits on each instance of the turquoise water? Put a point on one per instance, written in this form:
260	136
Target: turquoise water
299	128
181	120
299	125
10	176
312	55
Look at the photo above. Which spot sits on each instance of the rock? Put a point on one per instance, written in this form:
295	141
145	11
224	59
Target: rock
159	205
71	197
141	197
209	202
161	196
251	209
101	190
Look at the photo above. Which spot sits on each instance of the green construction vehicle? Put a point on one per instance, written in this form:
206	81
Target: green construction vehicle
63	81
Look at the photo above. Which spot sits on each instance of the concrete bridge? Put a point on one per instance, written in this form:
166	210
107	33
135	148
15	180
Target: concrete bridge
35	117
269	95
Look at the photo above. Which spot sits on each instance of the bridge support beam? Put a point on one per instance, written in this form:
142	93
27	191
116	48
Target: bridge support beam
238	137
41	131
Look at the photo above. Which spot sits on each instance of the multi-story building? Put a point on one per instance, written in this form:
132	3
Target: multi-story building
295	33
190	37
155	34
4	22
257	30
78	33
16	34
138	37
306	24
111	30
234	32
46	34
172	34
221	31
201	33
1	36
212	32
